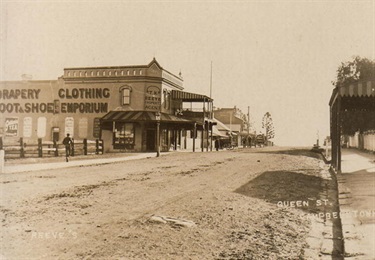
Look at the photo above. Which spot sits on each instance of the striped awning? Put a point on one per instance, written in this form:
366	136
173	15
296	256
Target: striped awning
141	116
189	97
360	89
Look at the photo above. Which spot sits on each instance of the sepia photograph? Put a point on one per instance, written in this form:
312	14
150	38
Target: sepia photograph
193	129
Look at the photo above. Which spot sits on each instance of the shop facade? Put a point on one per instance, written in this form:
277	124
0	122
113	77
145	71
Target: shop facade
125	106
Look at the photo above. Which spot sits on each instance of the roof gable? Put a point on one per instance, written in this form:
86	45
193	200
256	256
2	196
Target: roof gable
154	64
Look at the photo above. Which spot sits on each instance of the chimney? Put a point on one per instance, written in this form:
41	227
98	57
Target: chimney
26	77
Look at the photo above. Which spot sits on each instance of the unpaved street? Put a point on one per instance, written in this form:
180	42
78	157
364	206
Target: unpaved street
105	211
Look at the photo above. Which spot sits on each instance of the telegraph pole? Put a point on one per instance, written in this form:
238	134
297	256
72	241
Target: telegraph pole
248	120
211	82
248	127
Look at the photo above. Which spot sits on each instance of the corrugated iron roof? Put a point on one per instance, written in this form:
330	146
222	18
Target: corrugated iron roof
189	97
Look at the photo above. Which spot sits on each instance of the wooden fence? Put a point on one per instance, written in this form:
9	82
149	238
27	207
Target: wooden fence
20	149
365	141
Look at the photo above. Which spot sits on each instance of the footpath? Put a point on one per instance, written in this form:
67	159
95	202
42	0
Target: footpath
26	165
356	185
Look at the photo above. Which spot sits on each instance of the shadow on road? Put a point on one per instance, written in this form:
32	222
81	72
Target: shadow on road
287	188
298	152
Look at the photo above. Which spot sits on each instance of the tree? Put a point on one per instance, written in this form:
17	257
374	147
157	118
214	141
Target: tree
353	71
267	124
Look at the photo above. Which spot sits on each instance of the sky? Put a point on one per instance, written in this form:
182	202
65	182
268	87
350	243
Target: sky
272	56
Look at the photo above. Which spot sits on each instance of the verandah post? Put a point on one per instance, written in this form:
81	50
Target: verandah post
72	151
194	135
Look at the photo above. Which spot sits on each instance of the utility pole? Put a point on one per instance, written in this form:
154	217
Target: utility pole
248	120
248	127
211	82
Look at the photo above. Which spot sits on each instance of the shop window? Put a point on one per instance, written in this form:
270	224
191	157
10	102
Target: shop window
69	126
96	128
166	97
134	72
27	126
110	73
140	72
92	73
122	73
42	124
82	127
128	72
97	73
68	73
125	94
74	74
124	136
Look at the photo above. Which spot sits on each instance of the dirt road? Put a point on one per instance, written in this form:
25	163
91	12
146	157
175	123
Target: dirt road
217	205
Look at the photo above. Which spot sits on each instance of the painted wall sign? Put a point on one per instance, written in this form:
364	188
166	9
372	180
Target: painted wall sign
19	93
84	93
153	99
54	108
11	126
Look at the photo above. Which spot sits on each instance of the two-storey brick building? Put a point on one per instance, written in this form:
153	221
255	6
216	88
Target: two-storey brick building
124	105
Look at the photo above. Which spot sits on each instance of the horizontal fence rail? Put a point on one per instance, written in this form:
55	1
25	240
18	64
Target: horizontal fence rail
40	148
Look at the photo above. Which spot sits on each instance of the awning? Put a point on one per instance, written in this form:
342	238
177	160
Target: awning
216	132
363	89
360	89
142	116
189	97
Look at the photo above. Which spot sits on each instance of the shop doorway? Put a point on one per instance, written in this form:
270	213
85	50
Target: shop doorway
150	139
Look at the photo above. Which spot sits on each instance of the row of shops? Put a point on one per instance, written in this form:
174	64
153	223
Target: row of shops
131	108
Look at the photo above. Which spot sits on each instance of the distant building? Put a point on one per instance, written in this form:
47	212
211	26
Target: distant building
124	105
234	120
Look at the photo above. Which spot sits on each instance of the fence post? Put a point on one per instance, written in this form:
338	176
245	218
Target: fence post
40	147
85	146
97	146
22	150
72	151
1	143
56	146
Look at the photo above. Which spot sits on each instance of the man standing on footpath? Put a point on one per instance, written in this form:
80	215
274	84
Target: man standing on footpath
67	142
